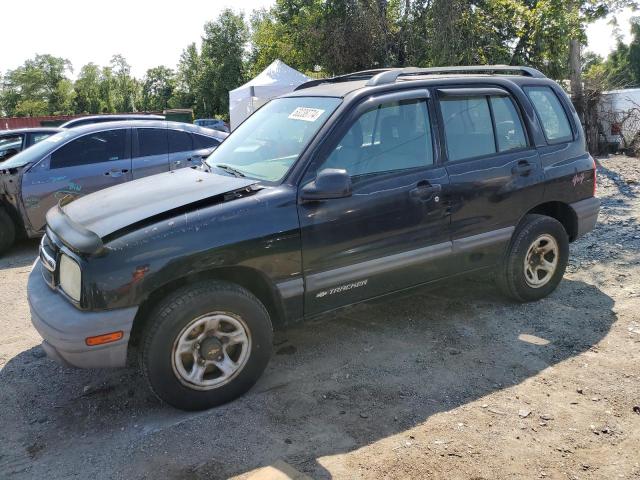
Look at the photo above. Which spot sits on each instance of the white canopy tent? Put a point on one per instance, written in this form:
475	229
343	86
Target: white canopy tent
277	79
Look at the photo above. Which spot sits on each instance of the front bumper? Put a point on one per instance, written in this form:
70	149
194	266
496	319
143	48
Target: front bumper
64	328
586	214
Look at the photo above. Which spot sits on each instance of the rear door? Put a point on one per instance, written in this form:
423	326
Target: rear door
84	165
494	171
150	151
180	149
392	232
203	146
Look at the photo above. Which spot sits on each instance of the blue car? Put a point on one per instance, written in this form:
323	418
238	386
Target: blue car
13	142
88	158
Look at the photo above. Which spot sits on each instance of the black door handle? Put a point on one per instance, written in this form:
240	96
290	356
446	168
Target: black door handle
114	172
522	168
425	191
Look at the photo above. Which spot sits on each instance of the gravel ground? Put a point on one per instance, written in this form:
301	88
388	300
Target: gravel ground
453	382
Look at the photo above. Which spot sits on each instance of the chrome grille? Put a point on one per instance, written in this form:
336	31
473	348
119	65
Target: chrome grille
48	255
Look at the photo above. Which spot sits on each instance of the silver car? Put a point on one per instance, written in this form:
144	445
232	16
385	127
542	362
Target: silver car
88	158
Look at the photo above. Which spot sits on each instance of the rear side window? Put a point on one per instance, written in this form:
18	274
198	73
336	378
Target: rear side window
482	125
38	137
179	141
509	130
551	114
9	146
152	141
96	147
467	127
201	141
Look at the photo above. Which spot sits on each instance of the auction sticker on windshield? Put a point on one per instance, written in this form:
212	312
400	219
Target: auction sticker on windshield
306	114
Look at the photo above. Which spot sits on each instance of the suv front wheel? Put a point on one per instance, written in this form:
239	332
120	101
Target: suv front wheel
205	345
536	259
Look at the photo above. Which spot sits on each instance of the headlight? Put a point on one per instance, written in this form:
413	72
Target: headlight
70	277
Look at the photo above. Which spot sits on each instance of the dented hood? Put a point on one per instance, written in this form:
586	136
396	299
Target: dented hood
82	223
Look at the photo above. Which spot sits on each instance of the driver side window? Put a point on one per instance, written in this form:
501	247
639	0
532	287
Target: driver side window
392	136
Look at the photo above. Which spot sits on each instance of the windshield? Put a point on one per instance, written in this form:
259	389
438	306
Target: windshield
37	151
270	141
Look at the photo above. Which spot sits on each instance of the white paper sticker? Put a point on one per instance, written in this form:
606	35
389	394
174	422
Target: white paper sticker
306	114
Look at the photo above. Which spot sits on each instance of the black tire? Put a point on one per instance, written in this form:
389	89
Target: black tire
170	319
511	273
7	231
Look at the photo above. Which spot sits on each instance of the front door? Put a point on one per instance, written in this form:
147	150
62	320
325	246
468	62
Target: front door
392	232
83	165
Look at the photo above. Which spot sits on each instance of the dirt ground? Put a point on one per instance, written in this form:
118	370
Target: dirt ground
454	382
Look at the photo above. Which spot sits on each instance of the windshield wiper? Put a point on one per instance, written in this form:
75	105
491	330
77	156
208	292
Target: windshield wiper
230	169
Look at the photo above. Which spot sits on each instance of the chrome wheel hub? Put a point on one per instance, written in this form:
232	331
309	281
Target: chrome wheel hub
541	261
211	350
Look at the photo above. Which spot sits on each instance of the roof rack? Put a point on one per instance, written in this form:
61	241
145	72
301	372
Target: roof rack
361	75
392	75
383	76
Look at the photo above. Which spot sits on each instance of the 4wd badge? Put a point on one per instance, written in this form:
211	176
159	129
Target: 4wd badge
342	288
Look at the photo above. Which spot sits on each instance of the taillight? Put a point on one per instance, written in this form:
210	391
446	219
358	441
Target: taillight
595	177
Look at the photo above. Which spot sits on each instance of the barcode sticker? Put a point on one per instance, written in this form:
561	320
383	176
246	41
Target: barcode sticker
306	114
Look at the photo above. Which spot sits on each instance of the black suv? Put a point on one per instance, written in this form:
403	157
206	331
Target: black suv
347	189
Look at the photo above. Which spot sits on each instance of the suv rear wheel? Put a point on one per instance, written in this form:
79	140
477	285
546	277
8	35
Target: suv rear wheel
205	345
7	230
536	259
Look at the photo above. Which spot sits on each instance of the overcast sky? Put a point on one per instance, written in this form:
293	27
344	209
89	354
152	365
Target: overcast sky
147	32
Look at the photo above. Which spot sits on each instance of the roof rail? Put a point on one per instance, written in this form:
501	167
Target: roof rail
361	75
392	75
381	76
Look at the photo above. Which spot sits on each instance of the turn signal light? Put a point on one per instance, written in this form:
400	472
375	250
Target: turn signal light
106	338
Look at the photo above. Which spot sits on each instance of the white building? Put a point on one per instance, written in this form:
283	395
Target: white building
619	116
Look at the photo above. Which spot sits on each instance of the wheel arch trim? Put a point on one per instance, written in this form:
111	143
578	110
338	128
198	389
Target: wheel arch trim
270	294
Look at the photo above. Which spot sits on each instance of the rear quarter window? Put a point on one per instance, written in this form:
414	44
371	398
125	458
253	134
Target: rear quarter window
201	141
180	141
552	115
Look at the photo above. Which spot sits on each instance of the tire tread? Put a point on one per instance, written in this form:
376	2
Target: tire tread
176	300
506	277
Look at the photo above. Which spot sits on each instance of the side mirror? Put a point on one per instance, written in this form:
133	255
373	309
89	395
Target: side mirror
329	183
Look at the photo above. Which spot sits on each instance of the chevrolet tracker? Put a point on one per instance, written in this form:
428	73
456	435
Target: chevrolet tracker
347	189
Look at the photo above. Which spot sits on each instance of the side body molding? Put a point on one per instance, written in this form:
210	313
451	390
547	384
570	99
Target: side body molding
371	268
357	275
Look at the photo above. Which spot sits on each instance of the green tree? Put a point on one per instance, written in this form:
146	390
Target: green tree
88	94
39	87
634	50
354	35
126	90
270	40
188	86
621	68
157	88
223	51
107	90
